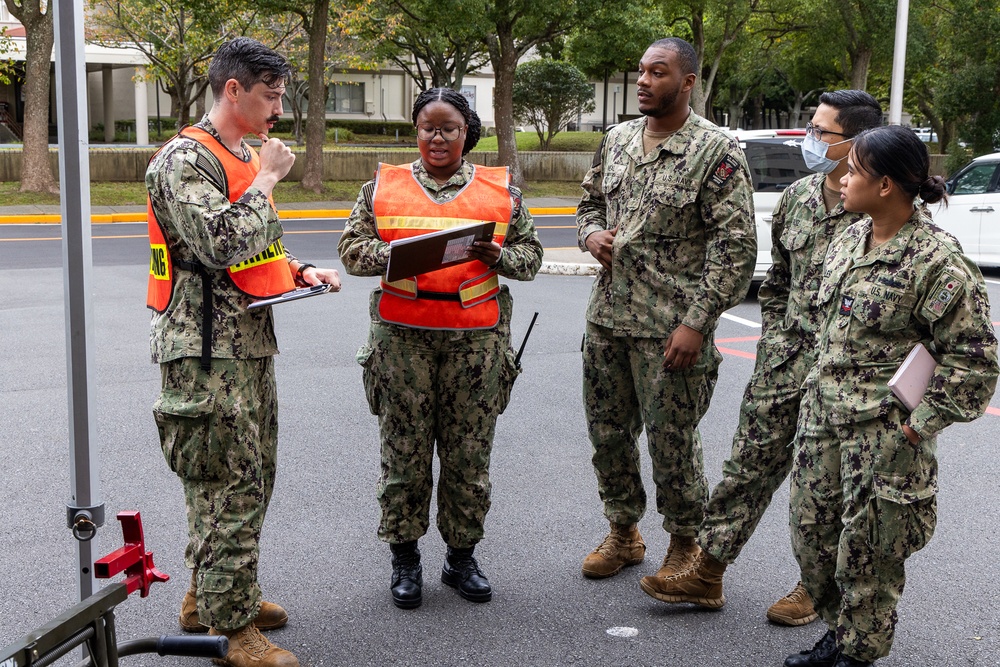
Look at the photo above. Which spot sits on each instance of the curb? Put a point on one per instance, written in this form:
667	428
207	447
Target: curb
286	214
569	269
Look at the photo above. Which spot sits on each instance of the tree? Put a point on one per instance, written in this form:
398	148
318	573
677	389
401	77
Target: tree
613	37
518	26
177	36
419	34
549	94
36	17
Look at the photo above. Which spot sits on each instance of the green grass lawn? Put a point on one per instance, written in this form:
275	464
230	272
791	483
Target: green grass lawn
124	194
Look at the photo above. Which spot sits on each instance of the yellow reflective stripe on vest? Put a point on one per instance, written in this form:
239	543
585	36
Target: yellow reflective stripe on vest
404	287
158	261
272	253
435	224
472	293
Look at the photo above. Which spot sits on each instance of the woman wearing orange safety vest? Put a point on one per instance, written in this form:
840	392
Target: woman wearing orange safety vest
438	364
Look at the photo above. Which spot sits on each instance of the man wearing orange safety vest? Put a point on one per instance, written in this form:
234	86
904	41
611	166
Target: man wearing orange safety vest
214	247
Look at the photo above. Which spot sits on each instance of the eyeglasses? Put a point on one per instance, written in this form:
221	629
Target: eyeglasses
817	134
448	132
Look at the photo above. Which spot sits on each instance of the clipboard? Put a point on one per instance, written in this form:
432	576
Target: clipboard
294	295
910	381
436	250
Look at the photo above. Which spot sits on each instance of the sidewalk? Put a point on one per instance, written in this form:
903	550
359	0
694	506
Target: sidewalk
559	261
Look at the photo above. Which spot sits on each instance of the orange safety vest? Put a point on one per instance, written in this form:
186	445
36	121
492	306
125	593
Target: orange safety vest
462	296
265	274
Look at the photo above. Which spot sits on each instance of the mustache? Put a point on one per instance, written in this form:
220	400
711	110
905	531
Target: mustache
274	119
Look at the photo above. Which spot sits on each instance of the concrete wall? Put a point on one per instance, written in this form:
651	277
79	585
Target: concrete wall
128	164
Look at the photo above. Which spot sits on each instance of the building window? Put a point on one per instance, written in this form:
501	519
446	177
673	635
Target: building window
469	92
346	98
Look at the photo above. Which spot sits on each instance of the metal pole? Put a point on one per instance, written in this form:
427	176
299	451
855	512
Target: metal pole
84	512
898	63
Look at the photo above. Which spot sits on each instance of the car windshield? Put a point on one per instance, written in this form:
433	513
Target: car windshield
775	164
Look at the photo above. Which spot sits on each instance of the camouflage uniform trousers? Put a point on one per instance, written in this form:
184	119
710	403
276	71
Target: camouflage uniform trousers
219	433
443	387
761	456
862	501
626	387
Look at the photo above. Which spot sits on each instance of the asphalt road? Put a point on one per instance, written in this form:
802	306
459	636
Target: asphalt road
320	557
40	245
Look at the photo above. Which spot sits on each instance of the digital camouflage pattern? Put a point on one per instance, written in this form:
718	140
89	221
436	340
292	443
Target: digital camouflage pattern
443	387
626	386
684	252
218	429
863	498
761	457
188	196
219	434
686	243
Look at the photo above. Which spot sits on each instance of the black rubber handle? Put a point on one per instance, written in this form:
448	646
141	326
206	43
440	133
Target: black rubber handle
199	647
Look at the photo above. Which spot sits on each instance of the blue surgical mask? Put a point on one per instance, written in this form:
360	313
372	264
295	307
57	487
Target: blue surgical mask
814	153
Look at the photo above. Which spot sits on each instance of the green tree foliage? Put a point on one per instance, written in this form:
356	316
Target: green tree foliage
969	88
436	42
548	94
178	36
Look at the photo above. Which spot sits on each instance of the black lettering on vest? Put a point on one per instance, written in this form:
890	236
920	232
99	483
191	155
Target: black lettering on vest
158	262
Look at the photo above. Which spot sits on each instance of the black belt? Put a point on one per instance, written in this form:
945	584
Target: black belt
438	296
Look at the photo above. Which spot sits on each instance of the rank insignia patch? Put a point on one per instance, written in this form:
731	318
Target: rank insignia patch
846	304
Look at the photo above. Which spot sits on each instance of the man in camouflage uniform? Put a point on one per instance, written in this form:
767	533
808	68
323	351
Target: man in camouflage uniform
218	426
808	217
864	478
667	212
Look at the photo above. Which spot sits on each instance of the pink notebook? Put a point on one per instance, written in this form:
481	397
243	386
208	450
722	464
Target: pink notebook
911	379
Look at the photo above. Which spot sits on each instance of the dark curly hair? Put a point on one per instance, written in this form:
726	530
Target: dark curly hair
457	100
896	151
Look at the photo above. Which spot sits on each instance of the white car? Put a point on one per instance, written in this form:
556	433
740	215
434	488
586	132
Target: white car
973	210
775	160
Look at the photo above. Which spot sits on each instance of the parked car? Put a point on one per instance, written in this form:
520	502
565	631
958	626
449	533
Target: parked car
775	160
973	210
925	134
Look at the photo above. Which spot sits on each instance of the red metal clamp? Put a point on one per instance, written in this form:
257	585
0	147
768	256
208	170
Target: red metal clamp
133	559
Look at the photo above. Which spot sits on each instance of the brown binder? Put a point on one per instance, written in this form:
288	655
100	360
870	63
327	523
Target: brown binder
430	252
911	379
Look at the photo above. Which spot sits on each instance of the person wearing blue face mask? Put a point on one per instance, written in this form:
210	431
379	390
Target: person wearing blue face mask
808	217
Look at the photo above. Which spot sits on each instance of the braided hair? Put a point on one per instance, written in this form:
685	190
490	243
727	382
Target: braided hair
457	100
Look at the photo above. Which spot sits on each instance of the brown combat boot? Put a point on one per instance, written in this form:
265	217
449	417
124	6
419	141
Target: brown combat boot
270	616
681	556
249	648
700	585
623	546
796	608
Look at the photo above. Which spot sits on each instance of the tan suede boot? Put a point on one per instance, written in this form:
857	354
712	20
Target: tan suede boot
623	546
794	609
700	585
249	648
270	616
681	556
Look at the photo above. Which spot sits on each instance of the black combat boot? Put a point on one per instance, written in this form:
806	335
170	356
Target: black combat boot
848	661
823	654
407	575
461	571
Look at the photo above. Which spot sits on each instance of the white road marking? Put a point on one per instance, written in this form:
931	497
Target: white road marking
740	320
623	632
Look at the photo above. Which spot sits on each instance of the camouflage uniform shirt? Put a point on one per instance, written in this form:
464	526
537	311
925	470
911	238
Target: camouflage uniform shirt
686	245
188	195
916	287
365	254
801	232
